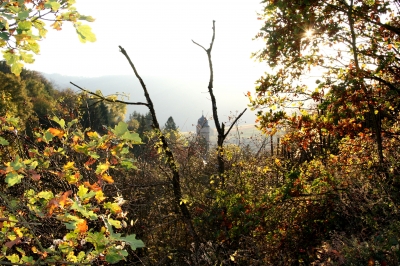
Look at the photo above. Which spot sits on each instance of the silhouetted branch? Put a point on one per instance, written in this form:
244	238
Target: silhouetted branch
177	190
108	100
219	126
234	122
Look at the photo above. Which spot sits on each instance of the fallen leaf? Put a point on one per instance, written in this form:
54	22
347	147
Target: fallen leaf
10	244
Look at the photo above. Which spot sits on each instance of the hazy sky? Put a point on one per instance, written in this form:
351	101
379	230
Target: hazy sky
157	35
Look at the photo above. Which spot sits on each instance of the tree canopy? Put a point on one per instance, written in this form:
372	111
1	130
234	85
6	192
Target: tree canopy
23	25
332	94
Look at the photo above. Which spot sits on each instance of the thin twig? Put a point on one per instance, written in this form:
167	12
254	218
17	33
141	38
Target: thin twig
234	122
109	100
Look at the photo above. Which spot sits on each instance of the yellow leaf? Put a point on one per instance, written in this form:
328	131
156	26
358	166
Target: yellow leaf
92	135
18	232
101	168
69	166
277	162
99	196
73	178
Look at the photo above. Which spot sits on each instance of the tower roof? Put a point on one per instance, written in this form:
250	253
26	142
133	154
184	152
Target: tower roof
202	122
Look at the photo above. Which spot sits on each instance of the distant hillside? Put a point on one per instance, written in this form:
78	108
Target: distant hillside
184	100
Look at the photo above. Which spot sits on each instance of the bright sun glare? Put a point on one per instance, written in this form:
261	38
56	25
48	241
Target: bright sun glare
309	33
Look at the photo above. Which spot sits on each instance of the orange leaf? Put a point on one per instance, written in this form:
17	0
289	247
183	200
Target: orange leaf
64	198
75	139
107	178
53	203
390	46
94	187
48	151
82	226
56	132
89	162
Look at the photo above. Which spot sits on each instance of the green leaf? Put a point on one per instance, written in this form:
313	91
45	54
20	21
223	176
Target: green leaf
3	141
87	18
17	164
115	223
23	14
133	242
48	137
82	210
61	122
13	178
93	154
113	207
27	259
47	195
134	137
5	36
85	33
24	25
120	129
82	193
98	240
127	164
53	4
115	255
14	9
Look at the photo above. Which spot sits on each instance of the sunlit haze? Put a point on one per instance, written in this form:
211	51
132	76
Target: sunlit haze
158	37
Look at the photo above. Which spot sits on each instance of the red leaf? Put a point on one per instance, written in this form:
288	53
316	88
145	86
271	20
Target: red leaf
10	244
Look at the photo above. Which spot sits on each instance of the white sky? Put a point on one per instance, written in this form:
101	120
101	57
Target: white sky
157	35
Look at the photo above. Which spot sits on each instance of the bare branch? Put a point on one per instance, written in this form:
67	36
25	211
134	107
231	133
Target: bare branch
213	37
200	45
234	122
171	162
211	82
108	100
219	126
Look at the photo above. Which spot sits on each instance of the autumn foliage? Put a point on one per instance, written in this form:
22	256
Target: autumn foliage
320	187
54	204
